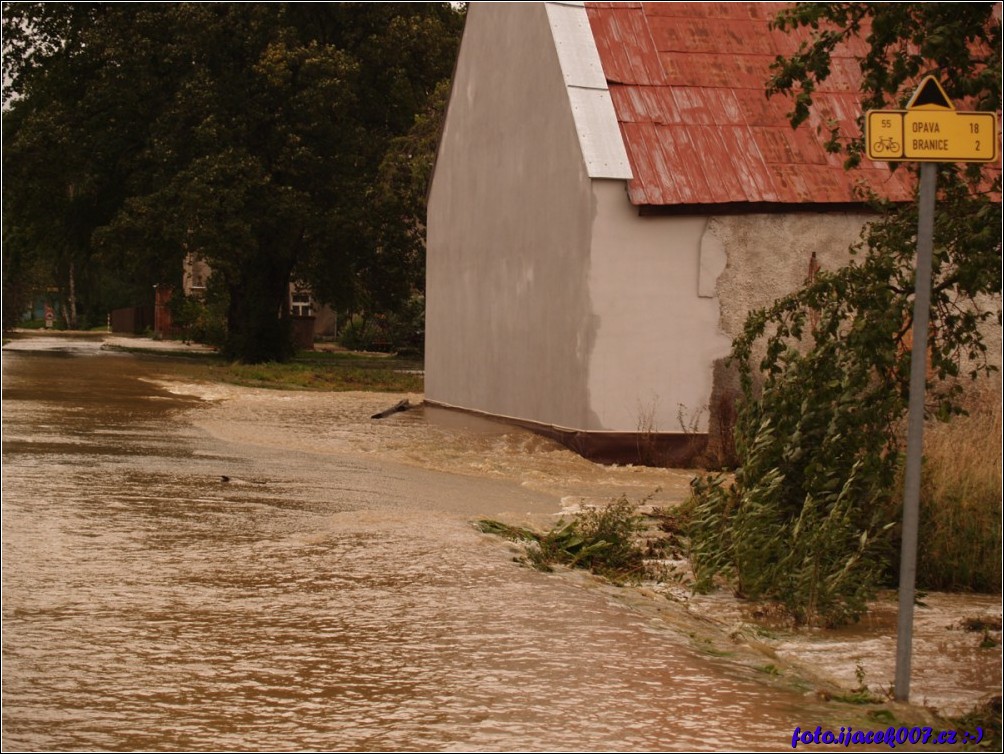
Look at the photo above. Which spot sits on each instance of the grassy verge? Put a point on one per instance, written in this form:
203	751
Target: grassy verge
337	371
327	371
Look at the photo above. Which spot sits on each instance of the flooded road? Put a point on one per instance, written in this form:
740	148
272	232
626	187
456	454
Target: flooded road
205	567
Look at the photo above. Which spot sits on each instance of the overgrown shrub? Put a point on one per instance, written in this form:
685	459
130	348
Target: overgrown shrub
362	334
401	332
987	717
200	320
822	559
959	545
810	517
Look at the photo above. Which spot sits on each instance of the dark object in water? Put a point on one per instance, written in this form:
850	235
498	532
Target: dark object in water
402	406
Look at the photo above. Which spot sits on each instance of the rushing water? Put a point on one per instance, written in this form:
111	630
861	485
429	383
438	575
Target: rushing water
203	567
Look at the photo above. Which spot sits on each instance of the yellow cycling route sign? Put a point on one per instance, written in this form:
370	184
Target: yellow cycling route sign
930	129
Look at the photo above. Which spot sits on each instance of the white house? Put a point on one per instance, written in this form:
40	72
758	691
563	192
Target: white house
613	193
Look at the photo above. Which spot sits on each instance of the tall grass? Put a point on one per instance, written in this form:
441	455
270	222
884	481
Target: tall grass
959	543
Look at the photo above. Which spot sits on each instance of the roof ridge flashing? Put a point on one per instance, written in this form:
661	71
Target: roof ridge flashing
599	133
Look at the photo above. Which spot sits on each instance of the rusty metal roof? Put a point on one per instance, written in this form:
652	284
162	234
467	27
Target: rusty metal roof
687	83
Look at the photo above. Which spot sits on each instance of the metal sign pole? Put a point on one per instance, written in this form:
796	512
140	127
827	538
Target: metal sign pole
931	131
915	428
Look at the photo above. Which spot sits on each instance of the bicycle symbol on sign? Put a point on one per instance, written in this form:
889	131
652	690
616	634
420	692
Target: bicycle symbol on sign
885	145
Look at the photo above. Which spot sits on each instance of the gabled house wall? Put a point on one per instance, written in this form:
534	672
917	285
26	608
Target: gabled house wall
509	324
675	291
650	366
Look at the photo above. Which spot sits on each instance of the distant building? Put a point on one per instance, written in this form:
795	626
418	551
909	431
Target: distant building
195	272
311	320
613	193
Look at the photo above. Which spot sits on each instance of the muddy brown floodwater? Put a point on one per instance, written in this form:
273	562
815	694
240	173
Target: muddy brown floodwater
331	593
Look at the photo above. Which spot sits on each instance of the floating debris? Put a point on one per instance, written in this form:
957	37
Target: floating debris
397	408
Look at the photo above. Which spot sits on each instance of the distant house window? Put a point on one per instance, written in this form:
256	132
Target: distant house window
301	305
197	287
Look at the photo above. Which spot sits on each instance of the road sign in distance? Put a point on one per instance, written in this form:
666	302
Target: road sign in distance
931	136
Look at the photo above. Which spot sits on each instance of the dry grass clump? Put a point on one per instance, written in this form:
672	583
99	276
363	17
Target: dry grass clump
960	505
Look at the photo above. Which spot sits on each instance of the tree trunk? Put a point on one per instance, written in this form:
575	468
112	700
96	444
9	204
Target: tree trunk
68	307
258	327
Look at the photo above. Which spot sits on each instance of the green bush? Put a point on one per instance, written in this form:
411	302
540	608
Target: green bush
401	331
202	319
806	521
364	334
606	541
603	540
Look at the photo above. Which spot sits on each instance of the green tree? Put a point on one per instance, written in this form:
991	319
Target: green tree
810	518
53	158
398	197
248	134
959	43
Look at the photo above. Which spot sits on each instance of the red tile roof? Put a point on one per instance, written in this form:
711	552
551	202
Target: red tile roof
687	82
